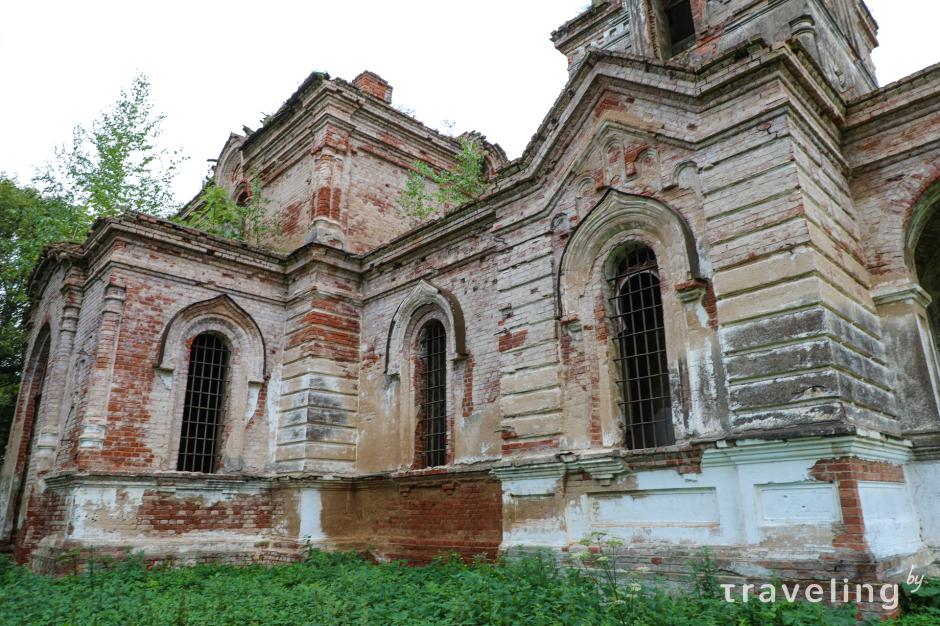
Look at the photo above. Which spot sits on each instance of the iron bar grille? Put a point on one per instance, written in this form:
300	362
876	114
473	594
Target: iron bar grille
205	399
645	402
434	415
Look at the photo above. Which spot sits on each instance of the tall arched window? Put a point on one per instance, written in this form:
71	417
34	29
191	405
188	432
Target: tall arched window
34	387
204	407
645	401
431	439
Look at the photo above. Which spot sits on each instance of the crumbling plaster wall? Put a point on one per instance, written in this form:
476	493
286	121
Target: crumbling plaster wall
22	460
141	405
889	142
331	169
812	502
462	263
319	394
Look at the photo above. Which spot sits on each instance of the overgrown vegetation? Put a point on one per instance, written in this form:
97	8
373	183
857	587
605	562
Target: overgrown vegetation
115	165
349	589
454	188
28	221
111	167
920	604
221	215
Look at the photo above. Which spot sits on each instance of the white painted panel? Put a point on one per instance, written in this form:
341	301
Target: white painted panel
311	509
679	507
105	513
925	488
890	525
798	503
531	486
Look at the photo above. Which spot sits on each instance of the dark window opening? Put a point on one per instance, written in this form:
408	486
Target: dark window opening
31	417
203	409
645	401
433	417
927	264
681	25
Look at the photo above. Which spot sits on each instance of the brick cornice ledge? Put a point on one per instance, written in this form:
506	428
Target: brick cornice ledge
601	466
529	468
900	291
867	445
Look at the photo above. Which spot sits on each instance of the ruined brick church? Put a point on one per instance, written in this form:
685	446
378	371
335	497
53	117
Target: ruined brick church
700	309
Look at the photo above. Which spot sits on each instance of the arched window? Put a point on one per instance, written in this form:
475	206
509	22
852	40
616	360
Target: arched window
204	407
643	377
431	439
33	386
927	262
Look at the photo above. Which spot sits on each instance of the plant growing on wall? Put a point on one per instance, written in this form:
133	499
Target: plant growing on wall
454	188
245	222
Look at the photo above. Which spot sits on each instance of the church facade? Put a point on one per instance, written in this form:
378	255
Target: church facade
699	310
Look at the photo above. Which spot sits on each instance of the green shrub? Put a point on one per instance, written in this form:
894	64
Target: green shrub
333	589
920	605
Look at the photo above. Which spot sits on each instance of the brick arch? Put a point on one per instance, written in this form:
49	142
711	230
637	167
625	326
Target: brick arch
222	316
617	223
422	295
923	191
616	213
241	329
14	475
228	169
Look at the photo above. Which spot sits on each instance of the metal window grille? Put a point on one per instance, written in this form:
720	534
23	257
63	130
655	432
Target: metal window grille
205	401
434	406
645	402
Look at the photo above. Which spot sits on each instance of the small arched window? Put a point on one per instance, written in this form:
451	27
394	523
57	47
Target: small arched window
639	330
431	439
204	407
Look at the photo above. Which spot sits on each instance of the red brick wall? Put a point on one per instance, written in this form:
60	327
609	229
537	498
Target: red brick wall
46	515
846	472
248	513
374	85
450	514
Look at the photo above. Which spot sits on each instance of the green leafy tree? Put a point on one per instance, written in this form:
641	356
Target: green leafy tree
111	167
28	221
454	188
115	165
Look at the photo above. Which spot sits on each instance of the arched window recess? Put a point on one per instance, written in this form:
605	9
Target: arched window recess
628	291
615	215
422	295
645	399
212	366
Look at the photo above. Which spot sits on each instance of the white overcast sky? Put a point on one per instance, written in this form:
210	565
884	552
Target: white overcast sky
487	65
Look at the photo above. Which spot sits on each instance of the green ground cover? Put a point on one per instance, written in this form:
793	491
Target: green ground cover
328	589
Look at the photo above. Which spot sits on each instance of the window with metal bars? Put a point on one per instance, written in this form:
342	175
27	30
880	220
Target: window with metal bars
432	423
639	330
200	438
